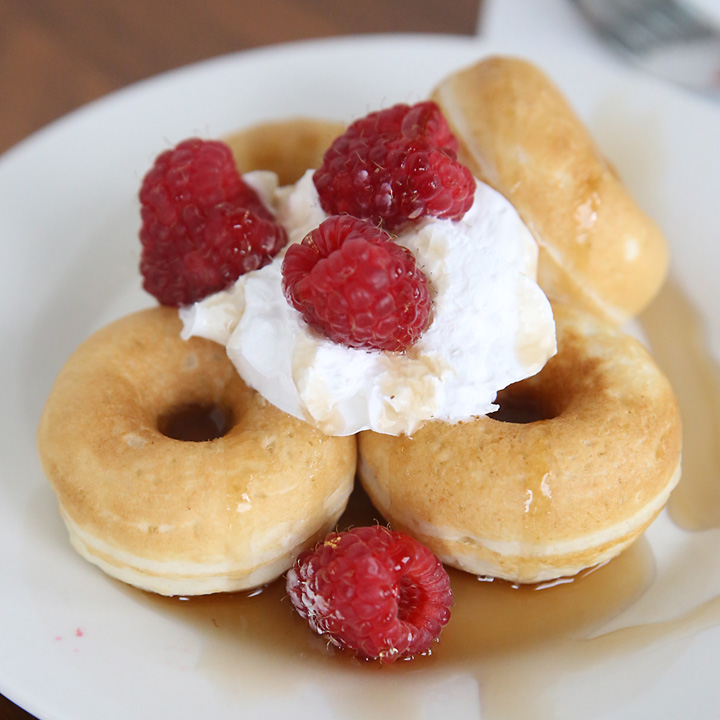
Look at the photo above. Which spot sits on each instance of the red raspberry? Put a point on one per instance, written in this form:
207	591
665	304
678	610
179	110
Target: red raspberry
202	225
424	119
394	167
378	593
352	283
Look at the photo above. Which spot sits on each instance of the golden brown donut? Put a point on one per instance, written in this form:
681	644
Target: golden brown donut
538	500
518	134
181	517
286	147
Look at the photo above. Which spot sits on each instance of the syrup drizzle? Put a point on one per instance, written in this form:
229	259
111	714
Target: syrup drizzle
675	332
495	628
516	653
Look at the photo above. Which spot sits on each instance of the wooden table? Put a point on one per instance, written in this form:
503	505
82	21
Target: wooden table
56	55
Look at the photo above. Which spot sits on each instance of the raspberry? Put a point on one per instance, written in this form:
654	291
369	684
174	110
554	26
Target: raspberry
352	283
424	119
376	592
202	225
394	167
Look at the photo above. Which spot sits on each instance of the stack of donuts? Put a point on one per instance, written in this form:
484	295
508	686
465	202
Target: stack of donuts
594	449
573	467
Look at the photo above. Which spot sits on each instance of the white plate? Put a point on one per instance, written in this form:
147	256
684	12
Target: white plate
76	646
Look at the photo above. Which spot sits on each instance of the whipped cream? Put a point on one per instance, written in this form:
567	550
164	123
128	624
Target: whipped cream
492	325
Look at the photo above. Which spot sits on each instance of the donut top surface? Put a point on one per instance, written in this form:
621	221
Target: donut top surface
603	445
119	477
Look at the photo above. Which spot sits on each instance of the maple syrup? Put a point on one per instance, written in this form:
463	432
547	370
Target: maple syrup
507	649
675	333
490	620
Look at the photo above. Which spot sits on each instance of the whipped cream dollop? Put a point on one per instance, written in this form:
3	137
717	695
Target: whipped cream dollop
491	324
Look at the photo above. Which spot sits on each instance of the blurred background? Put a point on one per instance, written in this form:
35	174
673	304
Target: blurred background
56	55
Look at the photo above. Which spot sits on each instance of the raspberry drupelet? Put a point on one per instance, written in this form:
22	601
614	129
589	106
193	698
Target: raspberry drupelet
354	284
202	225
375	592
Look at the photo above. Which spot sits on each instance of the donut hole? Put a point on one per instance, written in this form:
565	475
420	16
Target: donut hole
196	422
525	402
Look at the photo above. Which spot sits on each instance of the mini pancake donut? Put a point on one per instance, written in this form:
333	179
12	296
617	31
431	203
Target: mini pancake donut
174	516
535	500
286	147
518	133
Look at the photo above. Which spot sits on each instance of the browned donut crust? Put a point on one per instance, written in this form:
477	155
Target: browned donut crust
543	499
174	516
518	133
286	147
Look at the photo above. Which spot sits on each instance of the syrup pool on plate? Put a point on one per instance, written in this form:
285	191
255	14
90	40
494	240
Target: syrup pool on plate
509	650
494	628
